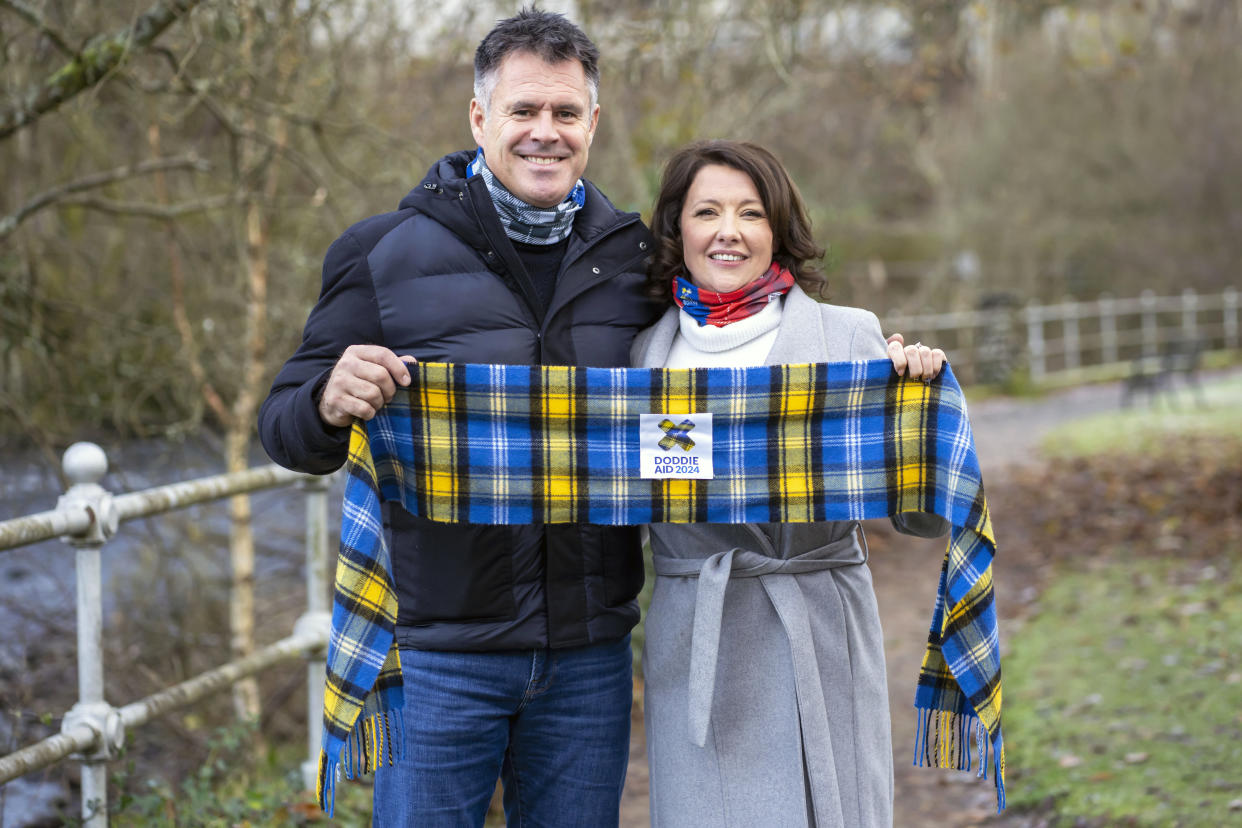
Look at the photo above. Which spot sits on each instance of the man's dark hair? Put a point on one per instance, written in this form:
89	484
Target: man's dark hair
792	243
547	34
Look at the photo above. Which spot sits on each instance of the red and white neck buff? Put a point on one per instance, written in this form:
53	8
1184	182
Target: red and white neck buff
710	308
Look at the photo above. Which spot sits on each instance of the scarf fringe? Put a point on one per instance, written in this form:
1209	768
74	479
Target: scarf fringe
374	740
942	740
325	784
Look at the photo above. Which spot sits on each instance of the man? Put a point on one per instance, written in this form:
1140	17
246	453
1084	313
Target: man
514	640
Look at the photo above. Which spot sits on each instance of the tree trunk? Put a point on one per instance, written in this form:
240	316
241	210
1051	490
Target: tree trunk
246	703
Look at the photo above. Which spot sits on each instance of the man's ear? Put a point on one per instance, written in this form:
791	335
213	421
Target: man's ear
594	124
477	119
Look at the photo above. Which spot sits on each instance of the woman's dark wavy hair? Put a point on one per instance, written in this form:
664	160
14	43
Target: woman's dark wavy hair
792	243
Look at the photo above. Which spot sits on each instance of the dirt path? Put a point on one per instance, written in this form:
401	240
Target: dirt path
1007	432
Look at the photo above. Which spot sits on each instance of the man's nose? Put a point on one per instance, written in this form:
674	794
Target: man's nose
544	128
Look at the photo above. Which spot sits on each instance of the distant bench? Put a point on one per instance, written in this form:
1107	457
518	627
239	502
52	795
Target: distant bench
1154	376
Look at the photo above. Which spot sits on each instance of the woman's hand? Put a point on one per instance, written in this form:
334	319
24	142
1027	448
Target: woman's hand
916	361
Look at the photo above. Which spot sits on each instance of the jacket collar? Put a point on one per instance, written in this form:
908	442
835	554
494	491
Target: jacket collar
800	337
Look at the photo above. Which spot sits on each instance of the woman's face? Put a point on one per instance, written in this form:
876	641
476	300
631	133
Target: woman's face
725	236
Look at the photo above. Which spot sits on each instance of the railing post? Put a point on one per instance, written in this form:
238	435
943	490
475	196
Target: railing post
1151	337
1190	313
1035	341
1069	333
1230	317
84	465
1108	330
318	615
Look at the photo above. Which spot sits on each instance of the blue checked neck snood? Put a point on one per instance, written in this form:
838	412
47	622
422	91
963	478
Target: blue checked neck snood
524	222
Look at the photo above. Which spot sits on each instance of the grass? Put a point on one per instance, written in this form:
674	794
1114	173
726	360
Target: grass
1124	696
1146	428
1123	688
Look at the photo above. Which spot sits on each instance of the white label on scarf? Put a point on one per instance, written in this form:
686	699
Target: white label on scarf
677	446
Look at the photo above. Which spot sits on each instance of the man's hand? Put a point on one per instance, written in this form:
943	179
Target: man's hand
361	382
916	361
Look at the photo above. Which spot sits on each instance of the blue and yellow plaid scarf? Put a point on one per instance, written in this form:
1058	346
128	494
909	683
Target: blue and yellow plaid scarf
540	444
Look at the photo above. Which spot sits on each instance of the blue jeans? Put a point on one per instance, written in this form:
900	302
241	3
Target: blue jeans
553	725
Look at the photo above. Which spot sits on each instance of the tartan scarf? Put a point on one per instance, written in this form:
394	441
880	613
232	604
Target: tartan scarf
719	309
524	222
507	444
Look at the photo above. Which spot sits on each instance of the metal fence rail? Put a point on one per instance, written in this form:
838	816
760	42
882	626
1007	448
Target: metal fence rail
1064	338
87	516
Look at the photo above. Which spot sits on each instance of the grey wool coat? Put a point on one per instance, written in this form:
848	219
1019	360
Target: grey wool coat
765	699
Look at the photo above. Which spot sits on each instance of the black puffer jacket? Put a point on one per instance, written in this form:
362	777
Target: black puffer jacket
438	279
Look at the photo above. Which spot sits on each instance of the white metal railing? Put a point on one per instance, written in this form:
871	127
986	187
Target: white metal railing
1064	338
86	516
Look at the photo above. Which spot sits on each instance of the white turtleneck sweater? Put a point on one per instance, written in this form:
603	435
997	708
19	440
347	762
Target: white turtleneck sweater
741	344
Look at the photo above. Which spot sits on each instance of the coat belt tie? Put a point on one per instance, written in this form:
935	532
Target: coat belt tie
778	577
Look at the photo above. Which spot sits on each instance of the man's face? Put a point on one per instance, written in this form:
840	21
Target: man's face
538	128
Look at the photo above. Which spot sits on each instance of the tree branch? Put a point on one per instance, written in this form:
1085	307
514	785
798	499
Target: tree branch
181	317
770	48
88	182
152	211
99	57
35	19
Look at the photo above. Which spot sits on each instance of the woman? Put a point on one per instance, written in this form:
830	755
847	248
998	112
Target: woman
734	251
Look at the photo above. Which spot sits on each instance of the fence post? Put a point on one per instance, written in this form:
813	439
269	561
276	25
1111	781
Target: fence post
318	615
1151	337
1108	329
1069	323
1035	341
1230	317
84	465
1190	326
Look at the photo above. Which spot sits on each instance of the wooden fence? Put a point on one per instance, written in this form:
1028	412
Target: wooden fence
1069	340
